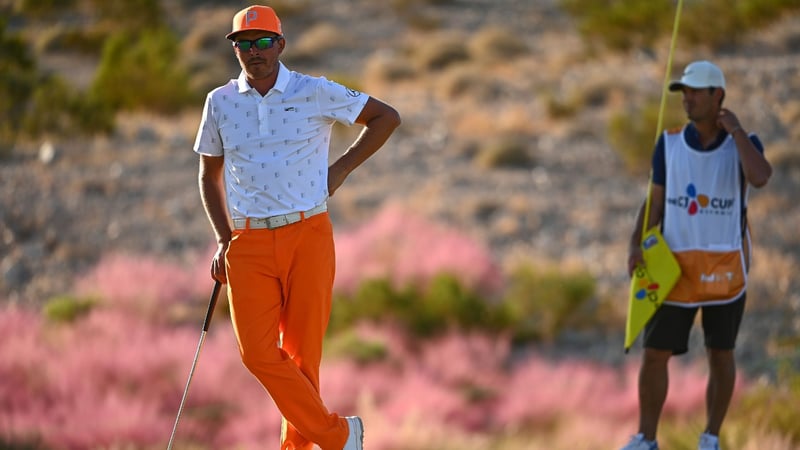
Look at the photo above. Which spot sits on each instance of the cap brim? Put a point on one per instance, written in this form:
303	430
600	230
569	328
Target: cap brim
233	34
676	86
679	85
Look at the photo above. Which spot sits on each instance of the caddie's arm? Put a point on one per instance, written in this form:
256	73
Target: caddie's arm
755	166
212	193
635	257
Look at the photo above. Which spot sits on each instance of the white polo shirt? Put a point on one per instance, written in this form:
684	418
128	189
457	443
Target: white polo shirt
275	146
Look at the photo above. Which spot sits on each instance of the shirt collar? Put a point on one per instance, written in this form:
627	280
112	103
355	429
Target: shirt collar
693	138
280	83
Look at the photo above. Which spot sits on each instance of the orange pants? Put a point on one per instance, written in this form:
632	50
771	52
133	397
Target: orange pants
280	286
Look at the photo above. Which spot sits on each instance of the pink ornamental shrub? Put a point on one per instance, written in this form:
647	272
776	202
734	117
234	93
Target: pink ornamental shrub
146	285
114	380
406	248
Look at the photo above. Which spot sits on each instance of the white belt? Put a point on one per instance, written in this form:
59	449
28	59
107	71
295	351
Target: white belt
279	220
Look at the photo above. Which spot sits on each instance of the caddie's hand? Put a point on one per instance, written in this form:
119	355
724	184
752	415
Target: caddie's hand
218	264
635	259
728	120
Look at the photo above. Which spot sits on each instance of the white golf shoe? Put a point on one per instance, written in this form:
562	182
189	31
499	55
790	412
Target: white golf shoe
355	440
708	442
638	442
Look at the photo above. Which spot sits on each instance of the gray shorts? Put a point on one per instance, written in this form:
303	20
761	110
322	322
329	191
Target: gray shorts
670	326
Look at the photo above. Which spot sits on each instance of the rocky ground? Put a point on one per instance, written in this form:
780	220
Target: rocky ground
65	203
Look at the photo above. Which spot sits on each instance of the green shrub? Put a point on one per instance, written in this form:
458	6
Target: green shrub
508	151
349	345
622	25
32	104
541	304
440	51
561	108
131	15
289	8
447	304
496	44
443	305
386	66
85	41
56	108
464	81
632	134
774	408
43	8
374	300
67	309
406	5
17	83
731	19
142	71
564	103
317	42
537	305
16	443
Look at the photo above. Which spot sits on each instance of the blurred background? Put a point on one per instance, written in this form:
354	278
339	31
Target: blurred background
481	280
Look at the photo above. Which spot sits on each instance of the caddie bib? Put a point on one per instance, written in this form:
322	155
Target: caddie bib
703	221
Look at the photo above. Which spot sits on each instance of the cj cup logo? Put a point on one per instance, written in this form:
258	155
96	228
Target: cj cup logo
696	203
645	288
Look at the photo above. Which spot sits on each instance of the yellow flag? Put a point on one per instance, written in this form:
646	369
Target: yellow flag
650	283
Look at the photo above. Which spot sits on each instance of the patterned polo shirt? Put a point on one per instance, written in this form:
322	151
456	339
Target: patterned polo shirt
275	146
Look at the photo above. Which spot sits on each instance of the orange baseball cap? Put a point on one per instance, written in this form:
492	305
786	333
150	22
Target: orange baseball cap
256	17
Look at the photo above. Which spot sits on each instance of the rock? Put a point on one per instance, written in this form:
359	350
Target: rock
47	153
14	272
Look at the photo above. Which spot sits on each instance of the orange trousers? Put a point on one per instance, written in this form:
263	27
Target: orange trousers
280	285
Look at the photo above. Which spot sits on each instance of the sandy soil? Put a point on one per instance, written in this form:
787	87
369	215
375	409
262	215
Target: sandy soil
65	203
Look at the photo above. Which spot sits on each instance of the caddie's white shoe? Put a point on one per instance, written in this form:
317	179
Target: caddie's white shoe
638	442
708	442
355	440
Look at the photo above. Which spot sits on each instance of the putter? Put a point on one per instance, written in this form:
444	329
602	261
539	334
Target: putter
211	304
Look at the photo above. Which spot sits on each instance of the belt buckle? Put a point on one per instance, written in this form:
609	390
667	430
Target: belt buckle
277	221
281	220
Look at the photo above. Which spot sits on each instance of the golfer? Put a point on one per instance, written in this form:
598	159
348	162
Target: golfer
264	179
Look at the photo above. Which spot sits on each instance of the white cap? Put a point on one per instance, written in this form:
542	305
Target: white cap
699	74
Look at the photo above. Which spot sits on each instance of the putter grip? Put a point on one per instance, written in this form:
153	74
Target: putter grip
212	303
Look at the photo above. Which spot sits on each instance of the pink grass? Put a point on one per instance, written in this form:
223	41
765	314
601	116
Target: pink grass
145	286
405	248
114	378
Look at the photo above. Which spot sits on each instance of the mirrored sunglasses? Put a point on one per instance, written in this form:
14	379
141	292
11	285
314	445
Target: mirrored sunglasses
260	43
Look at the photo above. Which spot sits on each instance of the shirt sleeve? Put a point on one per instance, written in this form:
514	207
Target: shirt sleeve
208	140
757	142
659	164
340	103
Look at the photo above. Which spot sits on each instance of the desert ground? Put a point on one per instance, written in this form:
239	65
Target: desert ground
66	202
